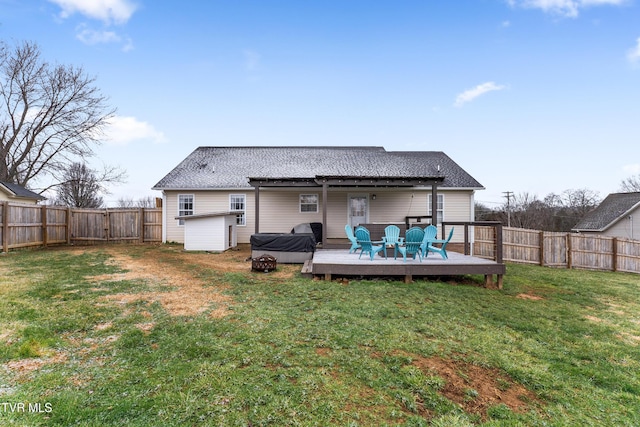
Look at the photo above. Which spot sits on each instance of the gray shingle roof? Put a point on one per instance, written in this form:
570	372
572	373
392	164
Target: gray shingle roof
20	191
230	167
614	207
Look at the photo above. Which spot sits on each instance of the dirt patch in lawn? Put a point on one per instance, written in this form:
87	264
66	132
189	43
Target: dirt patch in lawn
24	366
238	260
476	388
530	297
189	295
177	269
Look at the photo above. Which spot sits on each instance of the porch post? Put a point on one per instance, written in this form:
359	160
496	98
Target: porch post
257	213
324	214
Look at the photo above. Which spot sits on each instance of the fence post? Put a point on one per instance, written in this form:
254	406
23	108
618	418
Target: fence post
43	213
5	226
107	221
542	248
68	226
499	243
614	254
141	222
569	250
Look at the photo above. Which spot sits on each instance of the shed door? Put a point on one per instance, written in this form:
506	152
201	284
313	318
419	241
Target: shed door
358	209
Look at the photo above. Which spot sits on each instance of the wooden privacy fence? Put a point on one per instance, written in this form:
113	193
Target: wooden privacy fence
567	250
41	225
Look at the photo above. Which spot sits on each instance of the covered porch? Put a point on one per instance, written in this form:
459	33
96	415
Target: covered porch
329	183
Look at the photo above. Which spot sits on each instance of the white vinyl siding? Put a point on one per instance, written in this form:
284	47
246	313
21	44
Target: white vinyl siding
280	210
207	202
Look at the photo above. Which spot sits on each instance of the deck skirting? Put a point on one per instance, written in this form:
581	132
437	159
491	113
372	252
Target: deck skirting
327	263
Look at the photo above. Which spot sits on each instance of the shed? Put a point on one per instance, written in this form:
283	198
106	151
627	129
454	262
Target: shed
215	231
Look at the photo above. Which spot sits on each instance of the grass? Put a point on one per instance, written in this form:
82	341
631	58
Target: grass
553	348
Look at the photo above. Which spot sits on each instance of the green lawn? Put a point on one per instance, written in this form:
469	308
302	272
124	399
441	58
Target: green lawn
153	336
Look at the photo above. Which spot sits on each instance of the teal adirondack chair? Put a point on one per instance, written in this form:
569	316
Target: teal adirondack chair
352	238
430	233
364	239
442	250
413	240
392	237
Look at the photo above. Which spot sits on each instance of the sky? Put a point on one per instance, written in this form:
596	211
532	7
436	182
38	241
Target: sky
528	96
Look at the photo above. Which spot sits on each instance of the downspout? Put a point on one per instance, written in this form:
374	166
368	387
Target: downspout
165	219
324	214
434	206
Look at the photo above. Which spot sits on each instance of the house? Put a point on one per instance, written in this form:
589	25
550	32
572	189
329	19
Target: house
16	193
618	215
273	189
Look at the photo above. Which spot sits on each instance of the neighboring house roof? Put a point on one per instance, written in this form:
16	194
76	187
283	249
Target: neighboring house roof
19	192
231	167
614	207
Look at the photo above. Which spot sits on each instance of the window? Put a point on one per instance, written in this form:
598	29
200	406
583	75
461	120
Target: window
185	206
309	203
238	205
440	209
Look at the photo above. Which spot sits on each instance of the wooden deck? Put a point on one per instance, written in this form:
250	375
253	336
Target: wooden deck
339	262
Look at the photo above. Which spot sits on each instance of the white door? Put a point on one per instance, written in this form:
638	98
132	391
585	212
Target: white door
358	209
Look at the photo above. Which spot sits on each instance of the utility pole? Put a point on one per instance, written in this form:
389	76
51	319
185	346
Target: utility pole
508	195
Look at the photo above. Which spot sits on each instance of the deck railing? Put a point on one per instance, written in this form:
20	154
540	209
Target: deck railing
483	239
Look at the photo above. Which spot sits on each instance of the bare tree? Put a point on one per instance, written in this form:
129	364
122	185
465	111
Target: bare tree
581	200
631	184
525	211
82	186
50	115
556	212
569	207
143	202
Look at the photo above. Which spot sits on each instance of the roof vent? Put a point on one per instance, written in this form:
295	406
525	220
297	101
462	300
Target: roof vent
203	166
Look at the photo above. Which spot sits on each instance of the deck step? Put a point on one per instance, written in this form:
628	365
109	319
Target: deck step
307	268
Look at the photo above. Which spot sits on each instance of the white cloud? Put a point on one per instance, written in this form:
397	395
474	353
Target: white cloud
89	36
108	11
633	54
567	8
471	94
122	130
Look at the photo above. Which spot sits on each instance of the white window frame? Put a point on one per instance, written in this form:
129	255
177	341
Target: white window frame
316	203
241	214
440	209
182	211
